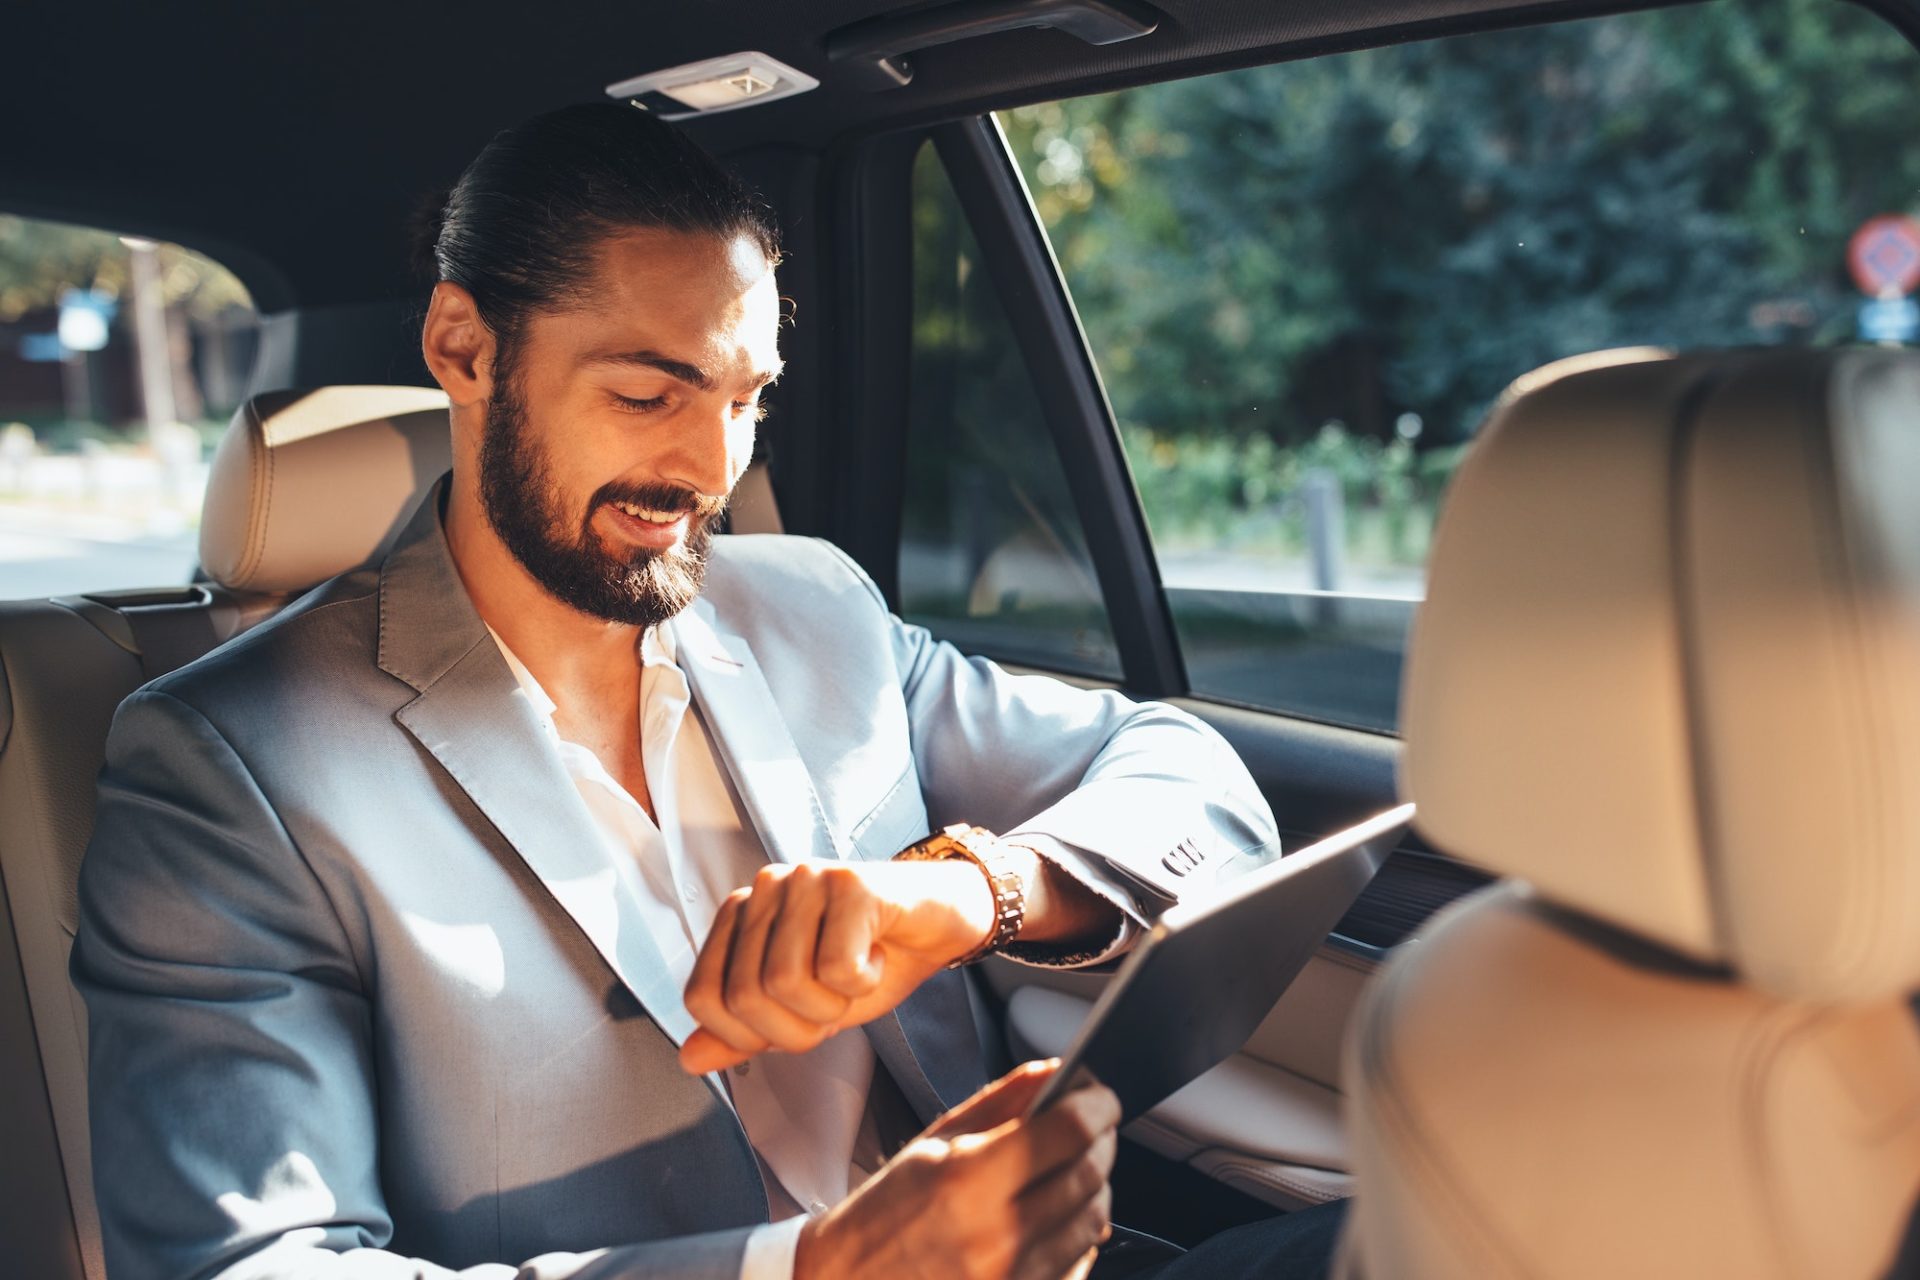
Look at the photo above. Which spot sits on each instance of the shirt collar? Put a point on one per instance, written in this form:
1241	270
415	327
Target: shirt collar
657	648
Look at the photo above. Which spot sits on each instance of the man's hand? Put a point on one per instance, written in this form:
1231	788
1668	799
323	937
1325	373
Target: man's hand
809	949
982	1195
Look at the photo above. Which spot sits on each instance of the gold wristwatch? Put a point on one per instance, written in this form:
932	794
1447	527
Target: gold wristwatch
980	847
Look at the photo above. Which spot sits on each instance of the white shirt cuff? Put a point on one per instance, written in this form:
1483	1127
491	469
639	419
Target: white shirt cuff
1081	869
770	1250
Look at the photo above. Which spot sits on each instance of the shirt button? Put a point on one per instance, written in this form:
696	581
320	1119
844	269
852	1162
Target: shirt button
741	1070
690	893
818	1208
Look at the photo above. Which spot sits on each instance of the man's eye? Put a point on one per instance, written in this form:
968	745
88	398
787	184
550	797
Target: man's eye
752	408
639	406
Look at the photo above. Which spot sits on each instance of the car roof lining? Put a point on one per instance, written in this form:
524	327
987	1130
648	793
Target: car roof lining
295	144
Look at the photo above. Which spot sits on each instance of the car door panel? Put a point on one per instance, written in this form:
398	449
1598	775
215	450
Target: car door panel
1255	1121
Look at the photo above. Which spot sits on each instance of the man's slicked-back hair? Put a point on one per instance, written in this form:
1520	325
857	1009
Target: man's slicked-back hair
520	229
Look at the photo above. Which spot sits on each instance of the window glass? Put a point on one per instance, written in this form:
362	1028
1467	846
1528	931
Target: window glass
120	361
1305	283
991	555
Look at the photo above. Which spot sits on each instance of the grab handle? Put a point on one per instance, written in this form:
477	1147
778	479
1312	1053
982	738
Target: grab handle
875	50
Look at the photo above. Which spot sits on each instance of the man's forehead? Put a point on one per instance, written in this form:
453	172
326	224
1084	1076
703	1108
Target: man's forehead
697	297
692	262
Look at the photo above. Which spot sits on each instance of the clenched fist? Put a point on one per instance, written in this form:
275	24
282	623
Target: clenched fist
809	949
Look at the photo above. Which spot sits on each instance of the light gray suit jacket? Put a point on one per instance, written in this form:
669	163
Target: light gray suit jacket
367	996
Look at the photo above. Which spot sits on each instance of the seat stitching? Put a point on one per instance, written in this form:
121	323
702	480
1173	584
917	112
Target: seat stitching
1264	1173
256	488
1852	945
1683	431
859	828
1761	1047
266	500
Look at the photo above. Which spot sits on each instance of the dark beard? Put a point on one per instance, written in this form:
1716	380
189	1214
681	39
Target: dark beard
641	588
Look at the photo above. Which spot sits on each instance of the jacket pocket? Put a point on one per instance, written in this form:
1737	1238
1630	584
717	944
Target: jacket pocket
895	822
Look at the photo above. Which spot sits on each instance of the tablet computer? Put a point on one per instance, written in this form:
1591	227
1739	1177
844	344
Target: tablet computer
1192	991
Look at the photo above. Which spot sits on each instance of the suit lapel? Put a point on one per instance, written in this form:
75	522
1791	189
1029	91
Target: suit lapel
929	1043
473	717
753	741
477	723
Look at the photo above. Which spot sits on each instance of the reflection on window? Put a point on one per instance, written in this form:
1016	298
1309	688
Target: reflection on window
1304	284
120	361
991	554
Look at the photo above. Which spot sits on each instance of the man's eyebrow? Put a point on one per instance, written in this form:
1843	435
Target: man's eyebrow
691	374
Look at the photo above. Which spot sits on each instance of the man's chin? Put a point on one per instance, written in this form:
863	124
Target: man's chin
639	591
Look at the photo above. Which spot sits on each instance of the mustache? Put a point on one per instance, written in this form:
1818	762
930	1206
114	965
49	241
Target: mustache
662	497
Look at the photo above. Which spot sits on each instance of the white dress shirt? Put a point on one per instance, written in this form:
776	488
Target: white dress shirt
805	1115
802	1112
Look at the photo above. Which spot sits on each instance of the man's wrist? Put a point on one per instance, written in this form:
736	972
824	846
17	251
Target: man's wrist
969	891
995	868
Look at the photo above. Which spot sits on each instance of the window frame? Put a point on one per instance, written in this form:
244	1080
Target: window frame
1020	262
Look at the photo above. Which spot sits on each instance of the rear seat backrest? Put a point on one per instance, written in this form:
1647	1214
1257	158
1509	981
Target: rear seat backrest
306	484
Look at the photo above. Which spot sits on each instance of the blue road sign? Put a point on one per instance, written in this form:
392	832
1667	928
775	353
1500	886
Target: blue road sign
1890	320
42	348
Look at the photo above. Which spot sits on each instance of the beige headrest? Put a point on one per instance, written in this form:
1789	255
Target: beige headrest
1668	671
309	484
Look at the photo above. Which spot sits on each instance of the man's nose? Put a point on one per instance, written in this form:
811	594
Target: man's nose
702	456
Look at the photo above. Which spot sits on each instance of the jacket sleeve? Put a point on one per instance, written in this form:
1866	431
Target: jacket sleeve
1139	799
231	1078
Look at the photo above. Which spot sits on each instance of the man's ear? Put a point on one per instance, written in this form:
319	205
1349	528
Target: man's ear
457	344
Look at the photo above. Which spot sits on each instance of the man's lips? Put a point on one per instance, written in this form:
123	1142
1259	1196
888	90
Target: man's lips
656	529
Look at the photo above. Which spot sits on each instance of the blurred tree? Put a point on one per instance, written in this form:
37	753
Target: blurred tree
39	260
1404	230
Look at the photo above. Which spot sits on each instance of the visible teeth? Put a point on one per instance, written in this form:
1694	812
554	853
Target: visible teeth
648	513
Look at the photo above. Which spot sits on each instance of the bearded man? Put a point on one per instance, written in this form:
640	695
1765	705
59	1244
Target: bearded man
526	904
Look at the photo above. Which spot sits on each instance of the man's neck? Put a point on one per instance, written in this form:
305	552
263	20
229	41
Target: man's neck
578	659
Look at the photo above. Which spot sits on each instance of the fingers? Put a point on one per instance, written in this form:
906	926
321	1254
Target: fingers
1066	1211
724	1040
1055	1139
847	958
1045	1261
795	951
1051	1205
758	981
1033	1193
1068	1215
704	1052
1054	1169
1084	1267
995	1104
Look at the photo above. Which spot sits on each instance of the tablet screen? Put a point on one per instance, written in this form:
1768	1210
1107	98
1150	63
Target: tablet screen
1210	970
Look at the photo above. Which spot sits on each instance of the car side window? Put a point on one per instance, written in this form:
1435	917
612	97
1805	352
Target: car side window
121	360
1303	284
992	555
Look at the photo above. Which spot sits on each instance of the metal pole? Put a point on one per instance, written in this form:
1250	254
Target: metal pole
150	342
1326	537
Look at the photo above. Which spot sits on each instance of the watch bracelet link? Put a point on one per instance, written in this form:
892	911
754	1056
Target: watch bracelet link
961	842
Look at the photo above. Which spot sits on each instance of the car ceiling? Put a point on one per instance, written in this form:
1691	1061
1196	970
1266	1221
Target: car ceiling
295	141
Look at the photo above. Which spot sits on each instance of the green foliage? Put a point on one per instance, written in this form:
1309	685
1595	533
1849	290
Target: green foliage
1242	493
1404	230
40	260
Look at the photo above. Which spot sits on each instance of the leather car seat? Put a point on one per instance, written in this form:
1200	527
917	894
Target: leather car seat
1667	679
305	484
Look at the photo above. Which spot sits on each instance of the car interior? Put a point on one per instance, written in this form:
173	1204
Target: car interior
1648	1032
